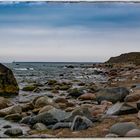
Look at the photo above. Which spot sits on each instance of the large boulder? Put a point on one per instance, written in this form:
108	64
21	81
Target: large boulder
112	94
8	83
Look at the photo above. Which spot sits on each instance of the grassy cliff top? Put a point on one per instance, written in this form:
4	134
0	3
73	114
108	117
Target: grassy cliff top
132	57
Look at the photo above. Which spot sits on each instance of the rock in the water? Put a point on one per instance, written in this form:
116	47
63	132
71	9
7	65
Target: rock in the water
39	126
80	123
42	101
122	128
50	117
10	110
4	103
14	132
13	117
8	83
132	97
112	94
87	96
133	133
7	126
121	109
61	125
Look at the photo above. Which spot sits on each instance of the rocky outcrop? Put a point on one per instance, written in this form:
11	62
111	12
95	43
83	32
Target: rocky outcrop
8	83
132	57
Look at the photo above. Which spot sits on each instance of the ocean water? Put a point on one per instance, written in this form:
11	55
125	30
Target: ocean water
40	72
43	71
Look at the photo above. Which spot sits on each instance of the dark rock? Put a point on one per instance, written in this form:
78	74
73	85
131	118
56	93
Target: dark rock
61	125
7	126
13	117
75	92
70	66
121	109
14	132
26	120
80	123
122	128
112	94
39	126
8	83
29	88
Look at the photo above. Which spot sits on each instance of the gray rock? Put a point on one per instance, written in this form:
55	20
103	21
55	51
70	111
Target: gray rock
80	123
8	83
121	109
112	94
14	132
61	125
122	128
50	117
39	126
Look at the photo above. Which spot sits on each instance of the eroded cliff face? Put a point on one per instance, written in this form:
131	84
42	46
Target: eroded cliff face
8	83
132	57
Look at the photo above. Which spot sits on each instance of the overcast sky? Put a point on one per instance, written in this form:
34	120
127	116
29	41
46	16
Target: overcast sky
68	32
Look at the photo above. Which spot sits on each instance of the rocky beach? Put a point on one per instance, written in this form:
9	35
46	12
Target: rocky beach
65	100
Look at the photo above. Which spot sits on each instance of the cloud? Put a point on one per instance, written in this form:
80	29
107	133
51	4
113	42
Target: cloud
66	44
